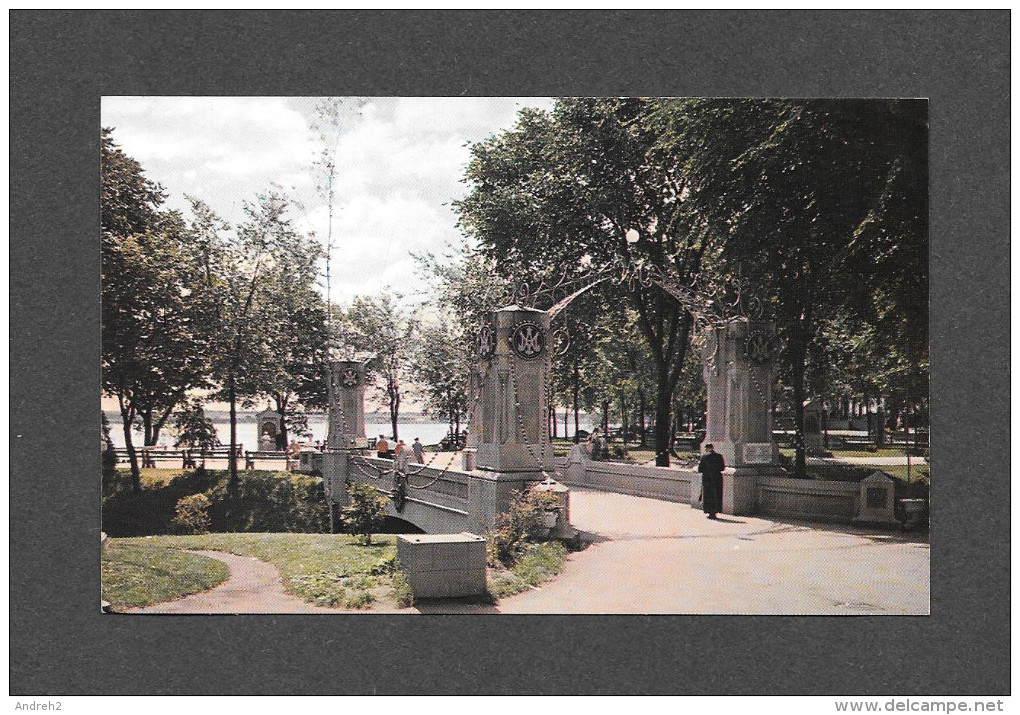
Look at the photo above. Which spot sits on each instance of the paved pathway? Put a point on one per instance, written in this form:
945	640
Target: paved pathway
651	556
253	587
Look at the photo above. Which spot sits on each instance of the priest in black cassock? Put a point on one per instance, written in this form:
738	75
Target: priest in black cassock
711	467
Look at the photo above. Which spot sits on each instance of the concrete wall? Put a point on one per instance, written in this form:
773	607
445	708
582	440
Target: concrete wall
809	499
775	496
653	482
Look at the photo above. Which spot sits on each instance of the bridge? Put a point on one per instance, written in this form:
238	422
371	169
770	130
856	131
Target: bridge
508	434
508	439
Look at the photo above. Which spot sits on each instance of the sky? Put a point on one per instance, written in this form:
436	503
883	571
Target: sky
400	161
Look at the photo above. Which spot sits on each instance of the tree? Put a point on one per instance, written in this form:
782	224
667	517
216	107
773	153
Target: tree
378	325
440	365
288	368
822	203
156	328
247	264
366	512
589	186
194	430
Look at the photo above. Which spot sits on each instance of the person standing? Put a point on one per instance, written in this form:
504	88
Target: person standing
382	448
419	451
402	455
711	467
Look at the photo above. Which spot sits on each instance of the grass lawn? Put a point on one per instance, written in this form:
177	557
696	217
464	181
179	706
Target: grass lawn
539	564
138	574
324	569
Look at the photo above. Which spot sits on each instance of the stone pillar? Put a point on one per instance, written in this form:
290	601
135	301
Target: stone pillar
813	418
346	425
737	365
511	421
514	370
346	405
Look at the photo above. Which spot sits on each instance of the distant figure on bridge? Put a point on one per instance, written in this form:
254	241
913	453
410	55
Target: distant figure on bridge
402	455
711	467
419	451
382	447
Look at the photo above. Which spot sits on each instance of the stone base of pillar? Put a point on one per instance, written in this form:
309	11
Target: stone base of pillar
740	487
491	493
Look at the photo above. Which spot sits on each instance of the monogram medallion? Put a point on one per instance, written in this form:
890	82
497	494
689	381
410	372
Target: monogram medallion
527	340
486	341
349	377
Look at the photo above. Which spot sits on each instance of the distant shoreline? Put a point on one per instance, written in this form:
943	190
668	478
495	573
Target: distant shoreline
244	416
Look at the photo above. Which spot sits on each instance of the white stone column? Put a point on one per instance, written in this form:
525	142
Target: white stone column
514	371
347	405
737	365
346	424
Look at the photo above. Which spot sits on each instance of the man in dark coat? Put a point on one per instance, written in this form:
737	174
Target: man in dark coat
711	467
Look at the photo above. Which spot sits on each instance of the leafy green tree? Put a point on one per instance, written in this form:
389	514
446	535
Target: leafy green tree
194	430
248	263
590	186
288	368
378	325
156	330
822	202
440	366
366	512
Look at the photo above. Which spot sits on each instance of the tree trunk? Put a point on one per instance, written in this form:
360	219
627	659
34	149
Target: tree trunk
605	419
394	408
642	411
566	417
281	409
147	439
624	418
663	415
797	374
232	459
136	475
577	416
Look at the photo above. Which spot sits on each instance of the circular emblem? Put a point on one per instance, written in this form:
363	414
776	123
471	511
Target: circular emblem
760	348
527	340
349	377
486	341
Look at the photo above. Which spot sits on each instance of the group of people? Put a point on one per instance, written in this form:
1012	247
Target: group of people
401	452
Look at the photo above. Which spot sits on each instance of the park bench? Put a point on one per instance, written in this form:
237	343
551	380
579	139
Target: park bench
859	443
688	442
265	456
148	456
783	437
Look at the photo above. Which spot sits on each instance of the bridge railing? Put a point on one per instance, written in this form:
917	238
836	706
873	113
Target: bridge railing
443	487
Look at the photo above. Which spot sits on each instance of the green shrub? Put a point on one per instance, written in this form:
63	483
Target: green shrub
192	514
518	527
261	501
537	563
366	512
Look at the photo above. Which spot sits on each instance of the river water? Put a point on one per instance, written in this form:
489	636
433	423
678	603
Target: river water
428	432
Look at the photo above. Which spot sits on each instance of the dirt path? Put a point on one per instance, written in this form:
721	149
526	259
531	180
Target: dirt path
253	587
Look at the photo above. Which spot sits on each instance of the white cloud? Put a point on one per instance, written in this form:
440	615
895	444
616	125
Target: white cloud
400	162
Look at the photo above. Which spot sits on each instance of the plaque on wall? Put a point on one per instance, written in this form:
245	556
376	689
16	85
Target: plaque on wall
758	453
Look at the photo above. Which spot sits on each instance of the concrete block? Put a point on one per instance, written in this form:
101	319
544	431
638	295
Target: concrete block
443	565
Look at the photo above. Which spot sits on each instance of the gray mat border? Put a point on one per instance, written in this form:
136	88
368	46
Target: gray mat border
62	62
